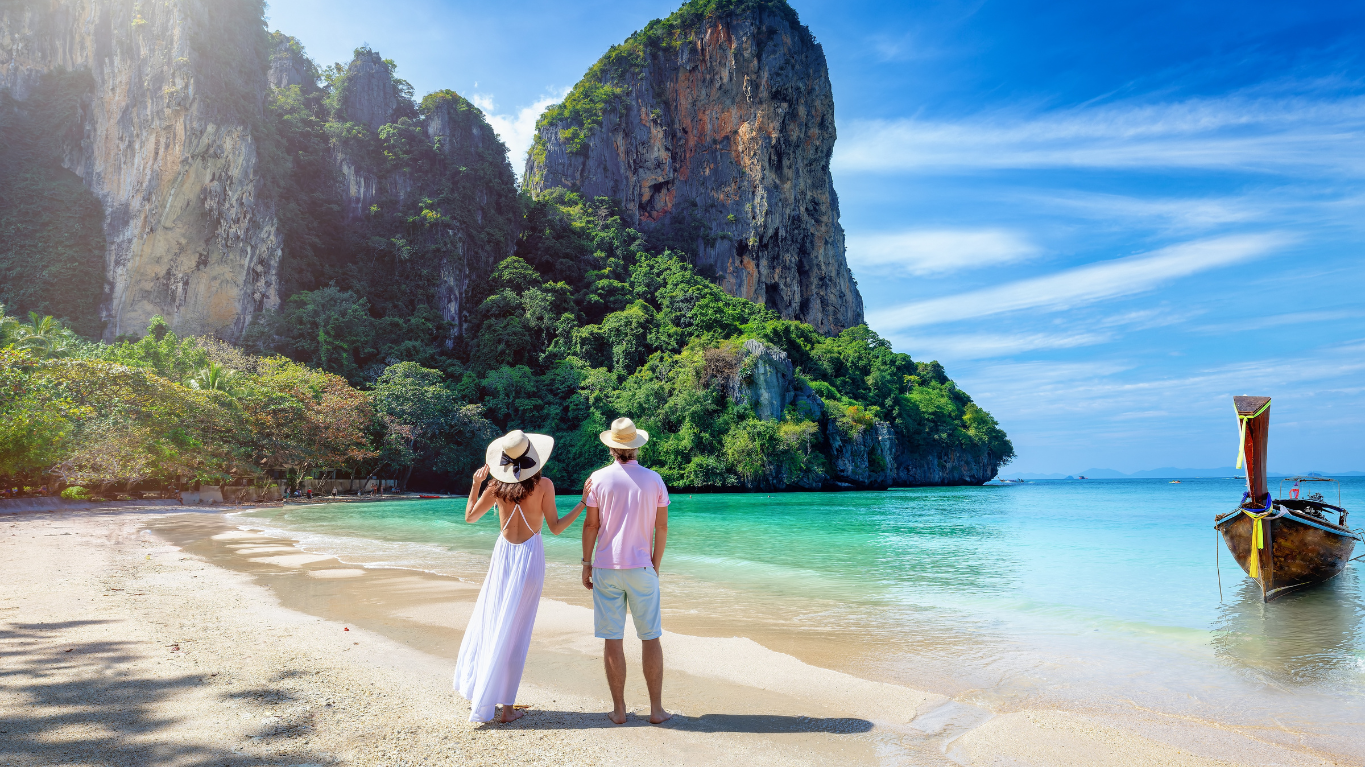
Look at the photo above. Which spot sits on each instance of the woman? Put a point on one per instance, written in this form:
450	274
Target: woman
493	652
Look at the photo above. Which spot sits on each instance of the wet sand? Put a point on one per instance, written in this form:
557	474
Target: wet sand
153	637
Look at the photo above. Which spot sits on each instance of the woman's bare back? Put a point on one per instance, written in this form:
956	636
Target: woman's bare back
517	529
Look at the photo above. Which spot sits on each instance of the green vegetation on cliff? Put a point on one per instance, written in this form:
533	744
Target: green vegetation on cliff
587	322
51	227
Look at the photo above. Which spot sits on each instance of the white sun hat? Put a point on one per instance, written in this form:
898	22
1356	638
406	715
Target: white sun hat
517	456
623	434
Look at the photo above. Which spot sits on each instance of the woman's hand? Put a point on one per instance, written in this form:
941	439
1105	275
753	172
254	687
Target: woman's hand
476	506
587	489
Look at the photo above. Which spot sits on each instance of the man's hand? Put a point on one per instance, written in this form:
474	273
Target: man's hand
587	577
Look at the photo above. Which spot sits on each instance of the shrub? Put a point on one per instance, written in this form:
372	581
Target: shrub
75	493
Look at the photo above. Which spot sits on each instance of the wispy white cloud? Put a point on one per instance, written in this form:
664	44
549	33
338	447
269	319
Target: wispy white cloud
1234	132
971	346
1086	395
922	252
1280	320
518	129
1084	285
1168	213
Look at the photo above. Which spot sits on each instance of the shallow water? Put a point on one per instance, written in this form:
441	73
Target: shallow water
1102	591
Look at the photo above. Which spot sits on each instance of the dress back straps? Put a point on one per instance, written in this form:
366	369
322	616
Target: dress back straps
524	520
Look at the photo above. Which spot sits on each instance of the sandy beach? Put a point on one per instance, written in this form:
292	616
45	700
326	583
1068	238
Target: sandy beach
165	637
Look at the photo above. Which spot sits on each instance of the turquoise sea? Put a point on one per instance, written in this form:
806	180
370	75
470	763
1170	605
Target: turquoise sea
1100	592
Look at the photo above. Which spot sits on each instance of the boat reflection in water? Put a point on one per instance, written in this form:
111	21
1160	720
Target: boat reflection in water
1307	636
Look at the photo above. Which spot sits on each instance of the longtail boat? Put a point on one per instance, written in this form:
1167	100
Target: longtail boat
1283	543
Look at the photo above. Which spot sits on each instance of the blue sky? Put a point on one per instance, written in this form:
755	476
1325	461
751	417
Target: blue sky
1104	218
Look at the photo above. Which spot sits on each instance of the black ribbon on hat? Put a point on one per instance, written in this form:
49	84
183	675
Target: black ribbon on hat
524	461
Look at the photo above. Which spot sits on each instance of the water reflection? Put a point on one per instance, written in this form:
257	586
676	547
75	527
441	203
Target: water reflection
1312	636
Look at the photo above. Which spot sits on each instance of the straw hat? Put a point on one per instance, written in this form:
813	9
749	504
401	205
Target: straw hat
517	456
623	434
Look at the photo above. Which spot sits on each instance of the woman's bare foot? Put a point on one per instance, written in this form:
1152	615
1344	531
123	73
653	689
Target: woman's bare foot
659	716
510	714
617	717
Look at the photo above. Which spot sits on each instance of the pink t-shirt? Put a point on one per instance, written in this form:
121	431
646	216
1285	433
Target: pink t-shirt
627	495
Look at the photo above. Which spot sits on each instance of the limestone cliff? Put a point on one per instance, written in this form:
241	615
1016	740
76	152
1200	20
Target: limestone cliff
714	130
165	143
432	178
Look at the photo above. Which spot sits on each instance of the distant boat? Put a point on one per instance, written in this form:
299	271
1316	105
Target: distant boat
1283	543
1082	477
428	496
1174	482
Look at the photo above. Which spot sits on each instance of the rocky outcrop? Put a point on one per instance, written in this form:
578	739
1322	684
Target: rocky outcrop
368	94
857	455
763	381
396	162
165	143
289	66
486	236
367	100
715	135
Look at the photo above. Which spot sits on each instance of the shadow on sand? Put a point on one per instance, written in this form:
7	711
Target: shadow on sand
77	703
748	723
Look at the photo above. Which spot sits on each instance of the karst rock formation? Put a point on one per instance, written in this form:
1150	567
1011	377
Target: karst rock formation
164	140
456	161
715	134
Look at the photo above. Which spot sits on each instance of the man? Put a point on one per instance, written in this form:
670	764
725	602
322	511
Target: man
623	546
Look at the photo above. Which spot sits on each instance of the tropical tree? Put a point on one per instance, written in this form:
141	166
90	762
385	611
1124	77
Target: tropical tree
43	336
215	377
414	406
302	419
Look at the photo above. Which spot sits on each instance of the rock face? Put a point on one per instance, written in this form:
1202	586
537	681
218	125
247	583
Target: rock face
716	136
368	98
858	457
188	233
464	139
764	380
439	163
288	65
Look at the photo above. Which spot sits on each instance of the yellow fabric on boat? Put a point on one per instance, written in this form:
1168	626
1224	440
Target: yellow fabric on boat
1257	542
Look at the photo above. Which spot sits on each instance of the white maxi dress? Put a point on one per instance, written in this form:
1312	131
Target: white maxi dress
493	652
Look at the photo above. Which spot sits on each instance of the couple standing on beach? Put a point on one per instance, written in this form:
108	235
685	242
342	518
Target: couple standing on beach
623	544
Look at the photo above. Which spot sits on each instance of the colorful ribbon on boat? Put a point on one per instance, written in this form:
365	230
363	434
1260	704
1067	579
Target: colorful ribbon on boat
1257	544
1257	534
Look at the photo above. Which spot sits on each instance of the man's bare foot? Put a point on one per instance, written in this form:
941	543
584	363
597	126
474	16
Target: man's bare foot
659	717
617	717
510	714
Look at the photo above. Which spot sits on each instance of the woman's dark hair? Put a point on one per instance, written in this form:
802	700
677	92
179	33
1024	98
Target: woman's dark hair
513	492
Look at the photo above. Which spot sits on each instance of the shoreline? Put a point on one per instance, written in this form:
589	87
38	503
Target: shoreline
736	700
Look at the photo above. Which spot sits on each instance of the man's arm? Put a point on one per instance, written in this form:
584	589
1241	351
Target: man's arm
660	536
591	523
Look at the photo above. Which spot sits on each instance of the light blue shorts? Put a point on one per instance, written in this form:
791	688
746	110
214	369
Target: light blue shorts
613	590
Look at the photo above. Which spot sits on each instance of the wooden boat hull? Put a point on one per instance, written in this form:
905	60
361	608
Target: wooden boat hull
1300	550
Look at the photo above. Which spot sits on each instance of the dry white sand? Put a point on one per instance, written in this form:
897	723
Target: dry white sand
122	649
